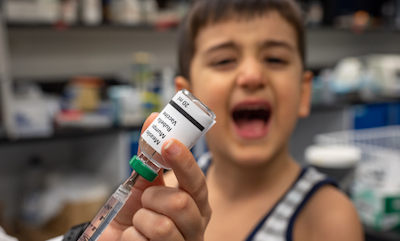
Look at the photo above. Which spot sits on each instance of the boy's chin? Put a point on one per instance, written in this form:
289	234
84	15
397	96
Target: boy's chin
253	158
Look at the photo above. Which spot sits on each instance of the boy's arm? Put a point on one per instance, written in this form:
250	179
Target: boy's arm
329	216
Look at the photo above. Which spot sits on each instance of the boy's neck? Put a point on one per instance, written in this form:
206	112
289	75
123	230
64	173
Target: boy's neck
238	181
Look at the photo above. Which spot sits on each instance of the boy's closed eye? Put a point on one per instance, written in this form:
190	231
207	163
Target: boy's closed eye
224	63
275	62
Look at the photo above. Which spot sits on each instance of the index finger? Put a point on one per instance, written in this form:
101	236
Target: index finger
124	217
190	177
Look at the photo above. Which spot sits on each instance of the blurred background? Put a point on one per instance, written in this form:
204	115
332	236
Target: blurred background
78	77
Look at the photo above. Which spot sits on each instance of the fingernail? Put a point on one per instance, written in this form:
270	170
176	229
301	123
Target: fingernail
172	148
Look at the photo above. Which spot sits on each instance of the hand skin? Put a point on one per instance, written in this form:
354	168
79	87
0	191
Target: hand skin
156	212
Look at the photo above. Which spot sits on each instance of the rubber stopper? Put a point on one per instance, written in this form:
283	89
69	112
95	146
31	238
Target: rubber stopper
142	169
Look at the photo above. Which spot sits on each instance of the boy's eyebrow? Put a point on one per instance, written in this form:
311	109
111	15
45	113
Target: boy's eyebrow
265	44
223	45
277	43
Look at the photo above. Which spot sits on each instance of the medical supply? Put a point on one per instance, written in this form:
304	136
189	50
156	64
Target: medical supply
127	107
186	119
375	190
91	12
84	92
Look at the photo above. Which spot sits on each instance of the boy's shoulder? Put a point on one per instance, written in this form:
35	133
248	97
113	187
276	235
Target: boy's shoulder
328	215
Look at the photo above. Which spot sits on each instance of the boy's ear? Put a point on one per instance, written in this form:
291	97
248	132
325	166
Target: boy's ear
181	83
305	95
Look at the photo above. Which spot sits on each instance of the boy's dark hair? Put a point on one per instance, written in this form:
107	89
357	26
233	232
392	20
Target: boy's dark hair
204	12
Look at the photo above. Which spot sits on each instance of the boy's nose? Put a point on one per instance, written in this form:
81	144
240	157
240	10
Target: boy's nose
251	75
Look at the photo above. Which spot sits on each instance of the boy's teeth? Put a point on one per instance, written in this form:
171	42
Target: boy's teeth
252	108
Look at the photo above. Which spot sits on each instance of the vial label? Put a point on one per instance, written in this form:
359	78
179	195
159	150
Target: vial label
181	119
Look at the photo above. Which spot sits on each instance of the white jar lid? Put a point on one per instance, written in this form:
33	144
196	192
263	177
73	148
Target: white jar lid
332	156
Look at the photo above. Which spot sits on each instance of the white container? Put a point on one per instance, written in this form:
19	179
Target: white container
333	156
92	12
338	161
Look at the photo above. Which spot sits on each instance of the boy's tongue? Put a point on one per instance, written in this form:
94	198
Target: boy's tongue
251	123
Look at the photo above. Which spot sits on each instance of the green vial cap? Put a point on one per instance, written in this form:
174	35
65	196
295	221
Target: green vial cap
142	169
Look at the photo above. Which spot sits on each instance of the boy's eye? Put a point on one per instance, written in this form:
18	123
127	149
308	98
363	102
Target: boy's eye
223	62
275	61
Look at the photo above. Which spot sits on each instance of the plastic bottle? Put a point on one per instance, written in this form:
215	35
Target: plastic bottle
92	12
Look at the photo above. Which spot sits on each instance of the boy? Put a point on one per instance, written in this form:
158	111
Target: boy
245	60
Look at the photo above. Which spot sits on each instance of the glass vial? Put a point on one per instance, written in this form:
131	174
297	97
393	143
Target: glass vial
184	118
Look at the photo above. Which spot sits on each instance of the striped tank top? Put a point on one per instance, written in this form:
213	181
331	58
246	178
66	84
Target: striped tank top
277	224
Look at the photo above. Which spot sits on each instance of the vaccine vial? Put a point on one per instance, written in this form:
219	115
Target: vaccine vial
184	118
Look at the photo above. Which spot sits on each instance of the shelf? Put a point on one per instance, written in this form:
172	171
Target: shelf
103	27
172	26
326	107
348	30
345	101
70	133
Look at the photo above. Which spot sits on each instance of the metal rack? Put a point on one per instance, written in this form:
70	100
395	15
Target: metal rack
376	186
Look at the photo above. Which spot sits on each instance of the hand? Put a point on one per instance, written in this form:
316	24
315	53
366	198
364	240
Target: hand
156	212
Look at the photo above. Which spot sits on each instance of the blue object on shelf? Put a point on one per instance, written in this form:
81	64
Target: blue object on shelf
376	115
371	115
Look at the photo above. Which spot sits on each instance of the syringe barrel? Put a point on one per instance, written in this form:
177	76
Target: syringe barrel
122	194
106	215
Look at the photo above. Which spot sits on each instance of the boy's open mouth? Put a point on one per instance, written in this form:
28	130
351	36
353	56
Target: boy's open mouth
251	120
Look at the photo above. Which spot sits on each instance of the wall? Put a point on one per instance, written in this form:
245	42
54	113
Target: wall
327	46
43	52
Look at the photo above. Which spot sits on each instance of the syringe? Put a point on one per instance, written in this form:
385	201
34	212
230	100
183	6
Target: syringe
109	210
142	167
186	119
